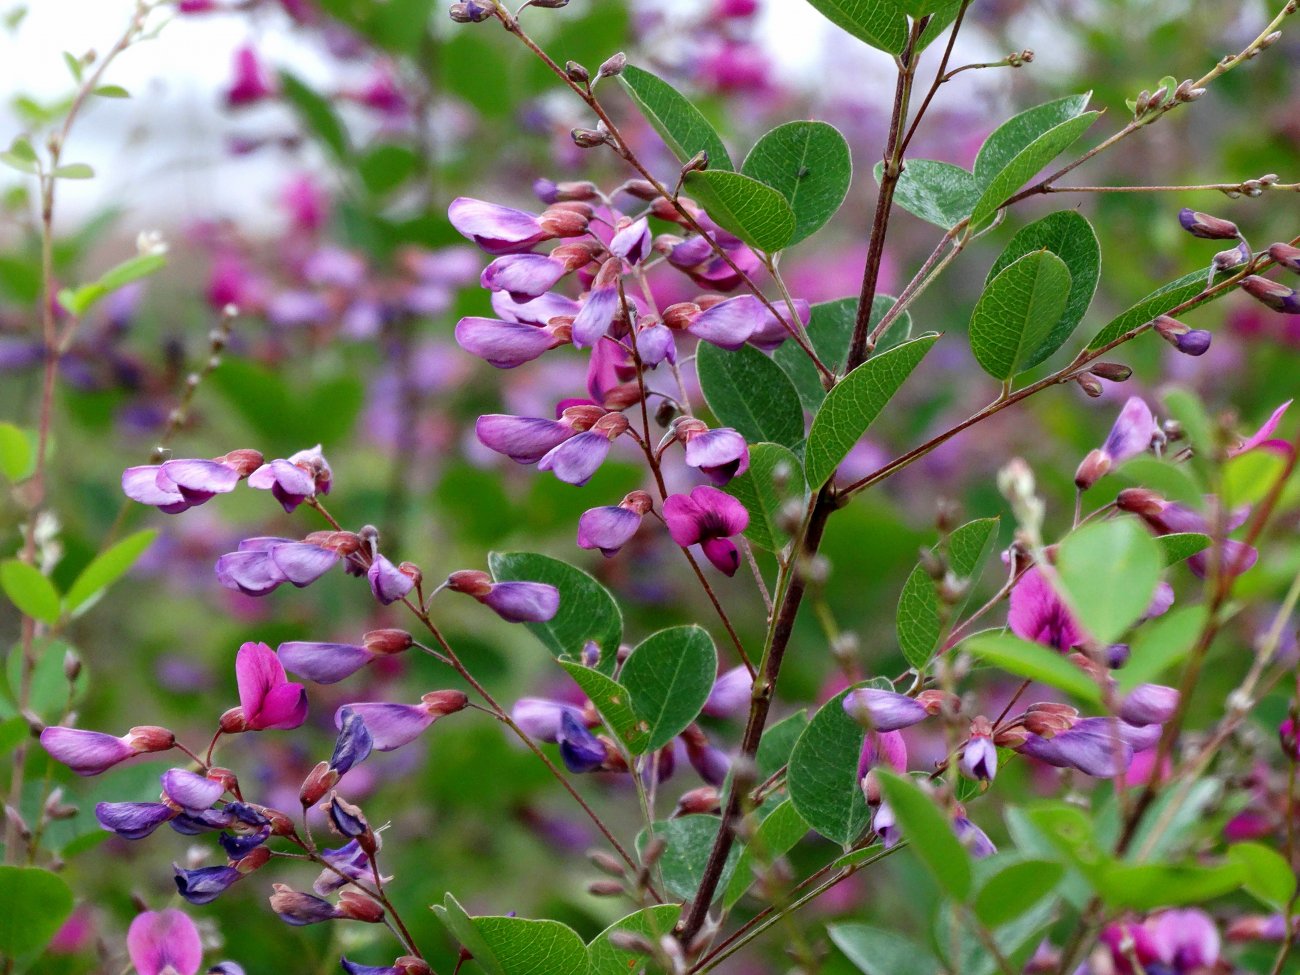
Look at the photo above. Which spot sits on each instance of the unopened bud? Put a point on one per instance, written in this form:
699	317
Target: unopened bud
387	641
1092	469
576	72
359	907
1207	227
698	162
1116	372
563	221
1286	255
642	189
702	800
613	66
71	665
1140	501
588	138
631	942
470	12
318	782
443	703
150	738
1276	296
1090	384
606	888
606	863
255	859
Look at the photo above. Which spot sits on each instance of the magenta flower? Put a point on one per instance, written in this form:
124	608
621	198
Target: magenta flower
507	344
164	943
266	697
708	517
262	564
496	229
1169	518
1037	614
1130	436
393	725
387	581
295	479
523	276
514	602
93	752
881	710
177	485
1184	939
610	527
1263	437
611	376
706	268
882	748
250	82
719	454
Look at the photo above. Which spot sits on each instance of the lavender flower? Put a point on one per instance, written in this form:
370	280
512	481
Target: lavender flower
164	943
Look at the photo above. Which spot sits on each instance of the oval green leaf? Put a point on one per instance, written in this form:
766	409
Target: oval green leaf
680	124
30	591
809	163
822	779
757	214
747	390
1109	571
1028	162
774	477
669	676
1017	312
1033	661
34	903
929	833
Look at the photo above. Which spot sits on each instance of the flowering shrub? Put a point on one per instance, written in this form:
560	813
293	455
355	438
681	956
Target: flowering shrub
1074	749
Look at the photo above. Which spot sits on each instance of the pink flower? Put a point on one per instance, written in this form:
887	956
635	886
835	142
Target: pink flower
266	697
496	229
1037	614
250	83
164	943
708	517
93	752
1263	437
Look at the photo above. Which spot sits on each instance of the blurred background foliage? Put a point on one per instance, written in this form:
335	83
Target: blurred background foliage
393	401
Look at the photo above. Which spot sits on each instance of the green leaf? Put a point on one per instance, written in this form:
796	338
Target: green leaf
21	156
778	742
1268	876
34	903
613	702
1034	662
929	833
1109	571
13	731
879	23
1027	163
386	167
669	676
918	619
74	171
1146	886
822	780
679	123
1247	478
689	839
747	390
317	115
810	164
1181	545
1186	407
855	402
1069	236
1174	481
652	922
132	269
1159	645
757	214
780	830
515	945
1161	301
1017	312
1013	889
1015	135
105	569
774	477
587	611
830	330
31	592
111	91
877	951
49	694
937	192
17	458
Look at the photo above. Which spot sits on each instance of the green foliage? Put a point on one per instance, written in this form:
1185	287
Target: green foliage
33	593
822	781
587	611
1161	644
880	951
853	404
754	212
1017	133
928	832
1268	877
17	456
1027	163
34	903
1012	886
810	165
1017	313
1160	302
747	390
689	840
316	115
515	945
49	692
937	192
679	123
106	568
775	476
669	676
1109	571
1033	661
780	830
652	922
612	700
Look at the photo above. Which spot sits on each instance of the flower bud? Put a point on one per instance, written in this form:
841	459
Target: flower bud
563	222
387	641
1207	227
1189	341
680	315
1090	385
297	908
1276	296
1116	372
150	738
642	189
1286	255
318	782
358	907
71	665
576	72
702	800
256	858
232	722
613	66
1289	739
471	582
1092	469
442	703
588	138
243	461
1232	257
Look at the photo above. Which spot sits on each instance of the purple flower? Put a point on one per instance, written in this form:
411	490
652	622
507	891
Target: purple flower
973	838
773	331
1207	227
323	663
239	846
298	909
1184	939
523	276
597	315
353	744
387	581
349	859
709	518
514	602
164	943
262	564
191	791
294	479
1149	704
1101	747
979	759
206	884
882	747
539	311
710	763
576	459
1169	517
177	485
506	344
632	243
579	748
1130	436
1187	340
393	725
610	527
540	718
93	752
655	344
496	229
1037	614
886	825
880	710
730	323
697	258
133	820
731	693
719	454
266	697
524	439
1263	437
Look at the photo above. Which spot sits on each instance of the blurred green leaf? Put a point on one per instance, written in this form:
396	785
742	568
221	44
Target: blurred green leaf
680	124
669	676
1013	888
929	833
1268	876
1248	478
747	390
1174	481
30	591
106	569
822	780
877	951
49	694
775	476
778	742
780	830
1160	644
1109	571
1186	407
918	621
317	115
1017	312
111	91
757	214
1146	886
689	839
1181	545
855	402
34	903
1033	661
74	171
386	167
17	458
810	164
652	923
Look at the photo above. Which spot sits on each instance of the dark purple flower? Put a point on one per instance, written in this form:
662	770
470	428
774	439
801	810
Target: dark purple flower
177	485
773	331
1101	747
708	517
973	838
133	820
539	311
262	564
354	742
1207	227
506	344
1185	939
579	748
540	718
496	229
881	710
1187	340
886	825
348	820
719	454
238	846
350	860
1272	293
206	884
